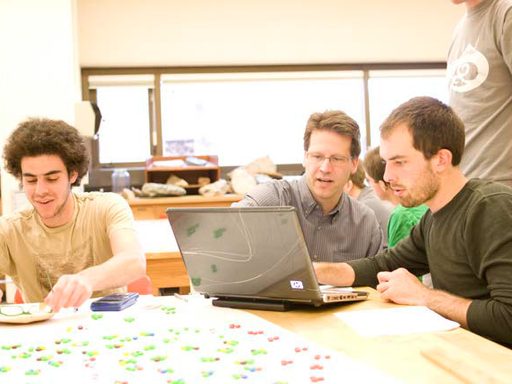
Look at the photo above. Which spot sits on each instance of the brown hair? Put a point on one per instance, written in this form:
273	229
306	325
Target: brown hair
374	165
335	121
35	137
358	177
433	126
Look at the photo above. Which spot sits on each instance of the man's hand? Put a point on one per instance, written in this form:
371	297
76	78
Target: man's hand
402	287
70	291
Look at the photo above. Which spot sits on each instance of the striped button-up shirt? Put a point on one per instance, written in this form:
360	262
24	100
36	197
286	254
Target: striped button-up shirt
350	231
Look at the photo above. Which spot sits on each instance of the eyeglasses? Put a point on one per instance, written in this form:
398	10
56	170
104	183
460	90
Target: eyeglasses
335	160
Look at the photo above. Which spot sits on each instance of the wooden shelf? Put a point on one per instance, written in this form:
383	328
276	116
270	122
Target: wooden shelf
155	173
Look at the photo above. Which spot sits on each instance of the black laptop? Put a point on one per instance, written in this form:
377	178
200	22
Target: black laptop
250	257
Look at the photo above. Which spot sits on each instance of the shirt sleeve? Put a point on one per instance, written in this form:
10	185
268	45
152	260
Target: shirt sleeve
6	264
409	254
506	39
265	195
377	239
118	214
489	240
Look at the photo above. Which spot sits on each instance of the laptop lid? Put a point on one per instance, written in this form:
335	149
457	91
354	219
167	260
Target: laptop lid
246	254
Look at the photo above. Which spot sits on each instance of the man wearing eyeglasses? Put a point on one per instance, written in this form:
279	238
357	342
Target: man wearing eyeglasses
336	227
66	246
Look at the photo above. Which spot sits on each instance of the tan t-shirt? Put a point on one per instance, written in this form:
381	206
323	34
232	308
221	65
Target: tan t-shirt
35	255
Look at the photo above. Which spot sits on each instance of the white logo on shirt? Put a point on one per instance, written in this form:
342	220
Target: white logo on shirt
469	71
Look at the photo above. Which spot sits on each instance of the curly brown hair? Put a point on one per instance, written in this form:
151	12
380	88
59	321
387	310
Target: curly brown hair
335	121
36	137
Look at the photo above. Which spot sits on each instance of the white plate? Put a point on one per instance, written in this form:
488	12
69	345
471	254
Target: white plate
36	315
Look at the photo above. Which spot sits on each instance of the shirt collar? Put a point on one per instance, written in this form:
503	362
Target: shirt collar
309	204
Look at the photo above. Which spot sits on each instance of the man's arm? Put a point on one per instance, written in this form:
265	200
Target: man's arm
340	274
402	287
127	264
363	272
273	193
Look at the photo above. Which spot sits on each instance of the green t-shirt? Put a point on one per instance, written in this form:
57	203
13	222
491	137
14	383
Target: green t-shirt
402	220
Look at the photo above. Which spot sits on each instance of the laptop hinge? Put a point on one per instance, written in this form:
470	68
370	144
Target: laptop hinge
267	305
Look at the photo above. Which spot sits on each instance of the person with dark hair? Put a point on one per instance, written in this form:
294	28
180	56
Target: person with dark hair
67	246
402	219
463	240
357	189
336	227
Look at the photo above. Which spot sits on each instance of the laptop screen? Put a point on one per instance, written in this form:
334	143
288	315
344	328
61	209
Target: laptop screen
242	252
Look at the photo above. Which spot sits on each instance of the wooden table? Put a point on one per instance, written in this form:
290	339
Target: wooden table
461	356
468	358
154	208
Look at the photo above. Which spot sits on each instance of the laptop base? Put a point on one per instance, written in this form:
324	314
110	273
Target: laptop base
266	305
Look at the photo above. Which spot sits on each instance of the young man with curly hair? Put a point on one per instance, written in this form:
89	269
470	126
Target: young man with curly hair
67	246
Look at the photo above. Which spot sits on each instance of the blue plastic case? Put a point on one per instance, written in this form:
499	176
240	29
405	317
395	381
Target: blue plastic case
115	302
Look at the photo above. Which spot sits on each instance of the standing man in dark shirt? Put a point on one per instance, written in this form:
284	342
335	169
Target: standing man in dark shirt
464	240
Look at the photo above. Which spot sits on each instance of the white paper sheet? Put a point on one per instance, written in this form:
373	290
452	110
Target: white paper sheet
396	321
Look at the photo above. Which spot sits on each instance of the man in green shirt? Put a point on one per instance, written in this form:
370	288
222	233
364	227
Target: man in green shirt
402	219
464	239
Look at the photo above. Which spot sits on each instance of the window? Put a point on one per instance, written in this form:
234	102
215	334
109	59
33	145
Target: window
243	113
244	116
388	89
124	102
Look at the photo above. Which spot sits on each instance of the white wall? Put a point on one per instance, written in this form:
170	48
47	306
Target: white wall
237	32
39	70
